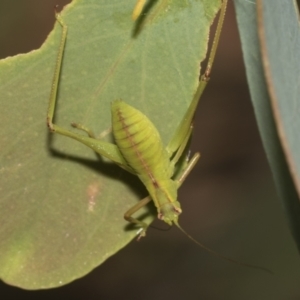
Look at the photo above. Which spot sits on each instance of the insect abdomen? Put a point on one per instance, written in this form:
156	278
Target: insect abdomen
138	140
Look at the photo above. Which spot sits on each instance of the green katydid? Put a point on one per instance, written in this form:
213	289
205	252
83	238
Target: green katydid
139	149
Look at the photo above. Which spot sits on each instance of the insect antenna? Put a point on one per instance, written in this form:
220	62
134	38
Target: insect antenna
221	256
160	228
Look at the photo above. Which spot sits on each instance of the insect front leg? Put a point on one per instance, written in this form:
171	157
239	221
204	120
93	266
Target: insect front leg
128	216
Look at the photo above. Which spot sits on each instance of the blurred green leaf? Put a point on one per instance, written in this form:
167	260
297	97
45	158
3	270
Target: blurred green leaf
275	96
61	207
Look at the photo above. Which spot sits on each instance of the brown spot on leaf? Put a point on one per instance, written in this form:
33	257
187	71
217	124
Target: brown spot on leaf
93	190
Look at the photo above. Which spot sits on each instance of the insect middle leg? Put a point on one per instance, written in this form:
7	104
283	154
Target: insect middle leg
85	129
90	133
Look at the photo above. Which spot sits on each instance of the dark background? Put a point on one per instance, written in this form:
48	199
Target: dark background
229	201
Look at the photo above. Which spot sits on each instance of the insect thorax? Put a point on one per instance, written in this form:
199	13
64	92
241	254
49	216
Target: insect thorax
164	196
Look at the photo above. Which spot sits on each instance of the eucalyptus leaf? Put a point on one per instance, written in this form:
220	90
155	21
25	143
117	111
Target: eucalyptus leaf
272	66
61	206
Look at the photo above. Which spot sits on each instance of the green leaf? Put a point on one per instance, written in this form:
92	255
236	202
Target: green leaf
272	65
61	207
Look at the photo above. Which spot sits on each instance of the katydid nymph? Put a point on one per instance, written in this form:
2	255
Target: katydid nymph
139	148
